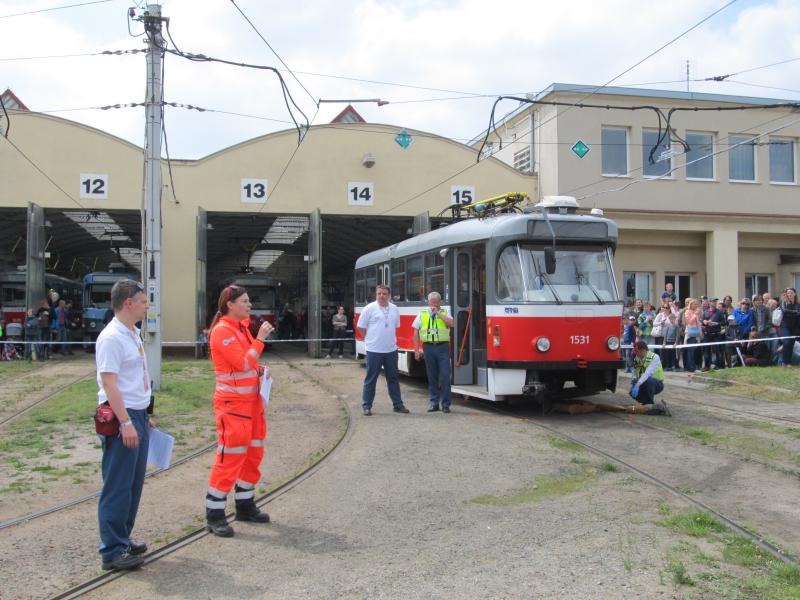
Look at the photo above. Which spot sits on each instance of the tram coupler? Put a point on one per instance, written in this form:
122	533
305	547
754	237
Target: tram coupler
534	389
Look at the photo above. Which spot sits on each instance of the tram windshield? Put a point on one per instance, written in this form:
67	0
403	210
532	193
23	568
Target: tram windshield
262	298
12	293
583	274
99	295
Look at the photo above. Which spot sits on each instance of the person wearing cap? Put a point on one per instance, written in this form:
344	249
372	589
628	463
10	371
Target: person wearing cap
647	381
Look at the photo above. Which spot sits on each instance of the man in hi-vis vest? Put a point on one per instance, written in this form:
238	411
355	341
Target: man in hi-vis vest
432	328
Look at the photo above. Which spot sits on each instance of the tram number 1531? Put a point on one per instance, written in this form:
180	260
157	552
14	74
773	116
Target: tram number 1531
579	339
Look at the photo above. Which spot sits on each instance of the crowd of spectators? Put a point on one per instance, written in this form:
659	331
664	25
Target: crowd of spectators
756	324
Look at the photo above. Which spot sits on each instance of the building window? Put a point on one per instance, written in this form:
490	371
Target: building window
681	285
637	286
781	160
662	156
741	158
699	162
614	141
755	283
522	160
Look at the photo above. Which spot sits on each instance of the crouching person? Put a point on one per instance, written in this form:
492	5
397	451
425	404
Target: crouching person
647	382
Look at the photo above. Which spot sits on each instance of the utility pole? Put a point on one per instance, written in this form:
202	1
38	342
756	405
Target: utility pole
151	201
687	75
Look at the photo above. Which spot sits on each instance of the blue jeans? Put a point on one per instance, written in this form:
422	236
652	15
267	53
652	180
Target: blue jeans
437	366
376	360
62	335
691	355
123	479
648	391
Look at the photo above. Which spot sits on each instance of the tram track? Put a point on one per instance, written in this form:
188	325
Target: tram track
41	401
652	478
200	533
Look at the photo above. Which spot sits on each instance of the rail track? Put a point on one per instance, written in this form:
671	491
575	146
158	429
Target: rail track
49	396
651	478
198	534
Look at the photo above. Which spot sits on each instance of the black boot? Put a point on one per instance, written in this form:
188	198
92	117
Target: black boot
248	511
217	524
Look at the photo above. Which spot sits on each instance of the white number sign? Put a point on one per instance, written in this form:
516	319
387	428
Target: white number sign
579	339
462	194
360	193
254	191
94	186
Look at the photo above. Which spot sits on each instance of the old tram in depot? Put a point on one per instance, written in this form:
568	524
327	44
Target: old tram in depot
532	293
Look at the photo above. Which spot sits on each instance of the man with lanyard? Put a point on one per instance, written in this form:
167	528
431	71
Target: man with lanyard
432	327
378	324
648	381
125	384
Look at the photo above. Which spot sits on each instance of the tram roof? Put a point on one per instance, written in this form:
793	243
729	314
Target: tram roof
568	228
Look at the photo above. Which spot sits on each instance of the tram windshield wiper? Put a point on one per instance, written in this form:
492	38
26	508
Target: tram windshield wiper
580	277
543	276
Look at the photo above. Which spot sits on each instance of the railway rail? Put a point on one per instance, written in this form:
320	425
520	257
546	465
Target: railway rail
198	534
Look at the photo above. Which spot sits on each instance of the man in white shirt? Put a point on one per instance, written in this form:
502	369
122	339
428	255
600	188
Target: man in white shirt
125	384
378	325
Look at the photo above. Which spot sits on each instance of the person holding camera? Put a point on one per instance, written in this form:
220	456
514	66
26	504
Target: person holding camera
432	328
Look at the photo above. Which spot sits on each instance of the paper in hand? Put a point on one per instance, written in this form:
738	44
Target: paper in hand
266	386
159	452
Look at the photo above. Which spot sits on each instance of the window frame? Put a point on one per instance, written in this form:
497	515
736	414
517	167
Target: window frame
752	278
650	278
753	153
710	157
398	270
626	131
670	171
793	146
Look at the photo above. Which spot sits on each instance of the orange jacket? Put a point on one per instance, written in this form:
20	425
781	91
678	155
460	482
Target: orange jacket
235	354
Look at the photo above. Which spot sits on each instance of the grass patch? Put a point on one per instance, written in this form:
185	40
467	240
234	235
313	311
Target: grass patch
565	445
578	460
544	486
609	467
744	570
10	369
750	444
768	383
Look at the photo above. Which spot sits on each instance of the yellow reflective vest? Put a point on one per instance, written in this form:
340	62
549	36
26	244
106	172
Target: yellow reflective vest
433	330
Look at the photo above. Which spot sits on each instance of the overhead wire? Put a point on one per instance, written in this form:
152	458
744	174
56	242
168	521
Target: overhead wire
103	53
43	10
246	18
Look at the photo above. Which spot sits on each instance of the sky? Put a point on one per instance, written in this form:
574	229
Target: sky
439	64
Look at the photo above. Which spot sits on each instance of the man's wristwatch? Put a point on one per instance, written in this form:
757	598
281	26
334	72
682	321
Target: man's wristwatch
126	424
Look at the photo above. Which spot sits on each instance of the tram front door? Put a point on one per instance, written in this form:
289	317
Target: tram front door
463	315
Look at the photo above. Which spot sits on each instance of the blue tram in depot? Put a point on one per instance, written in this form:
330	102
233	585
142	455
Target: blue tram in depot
97	300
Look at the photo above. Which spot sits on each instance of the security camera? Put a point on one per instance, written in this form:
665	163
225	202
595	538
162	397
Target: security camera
368	160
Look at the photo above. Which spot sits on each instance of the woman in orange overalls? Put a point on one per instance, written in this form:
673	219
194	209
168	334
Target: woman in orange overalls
239	410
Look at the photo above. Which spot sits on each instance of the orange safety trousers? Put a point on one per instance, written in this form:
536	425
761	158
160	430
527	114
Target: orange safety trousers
239	412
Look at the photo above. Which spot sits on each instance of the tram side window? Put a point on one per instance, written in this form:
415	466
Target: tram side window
414	275
361	294
510	285
398	280
434	273
13	295
372	281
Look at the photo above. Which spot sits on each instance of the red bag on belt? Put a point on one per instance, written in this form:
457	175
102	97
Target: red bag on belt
105	421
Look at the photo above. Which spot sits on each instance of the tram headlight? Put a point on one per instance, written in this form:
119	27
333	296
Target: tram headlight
613	343
543	344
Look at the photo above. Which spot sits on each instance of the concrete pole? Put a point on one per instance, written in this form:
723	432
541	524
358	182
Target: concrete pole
151	204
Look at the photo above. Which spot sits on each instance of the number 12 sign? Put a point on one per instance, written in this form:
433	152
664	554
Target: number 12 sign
360	193
94	186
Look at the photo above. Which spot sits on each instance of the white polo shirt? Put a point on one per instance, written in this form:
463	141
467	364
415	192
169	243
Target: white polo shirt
381	324
121	351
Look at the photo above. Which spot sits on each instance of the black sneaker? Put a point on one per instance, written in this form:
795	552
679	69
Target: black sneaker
367	412
445	409
401	409
433	408
123	562
137	549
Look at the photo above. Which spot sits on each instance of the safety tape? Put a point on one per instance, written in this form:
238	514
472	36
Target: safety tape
726	343
91	343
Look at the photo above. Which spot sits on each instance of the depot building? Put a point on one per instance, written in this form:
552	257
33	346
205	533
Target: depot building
726	223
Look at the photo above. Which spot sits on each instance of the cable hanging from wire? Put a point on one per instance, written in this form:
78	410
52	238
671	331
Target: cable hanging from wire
287	96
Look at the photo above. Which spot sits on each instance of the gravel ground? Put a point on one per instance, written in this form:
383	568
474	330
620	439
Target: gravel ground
392	515
48	555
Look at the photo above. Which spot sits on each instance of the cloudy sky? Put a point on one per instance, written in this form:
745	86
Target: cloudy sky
439	63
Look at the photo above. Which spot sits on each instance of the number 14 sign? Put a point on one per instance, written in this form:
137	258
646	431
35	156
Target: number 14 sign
360	193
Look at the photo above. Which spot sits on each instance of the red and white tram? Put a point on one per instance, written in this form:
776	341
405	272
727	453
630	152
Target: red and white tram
533	296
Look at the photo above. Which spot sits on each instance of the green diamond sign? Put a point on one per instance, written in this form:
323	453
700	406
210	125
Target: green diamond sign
580	149
404	139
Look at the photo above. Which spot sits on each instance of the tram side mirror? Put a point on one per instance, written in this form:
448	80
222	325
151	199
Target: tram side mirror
549	260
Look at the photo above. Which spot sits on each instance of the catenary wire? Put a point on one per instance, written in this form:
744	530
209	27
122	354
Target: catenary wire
246	18
34	12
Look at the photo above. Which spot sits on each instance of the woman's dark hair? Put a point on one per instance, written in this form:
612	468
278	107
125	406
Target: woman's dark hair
229	294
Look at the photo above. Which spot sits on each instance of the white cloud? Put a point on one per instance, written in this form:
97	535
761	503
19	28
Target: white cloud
506	46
